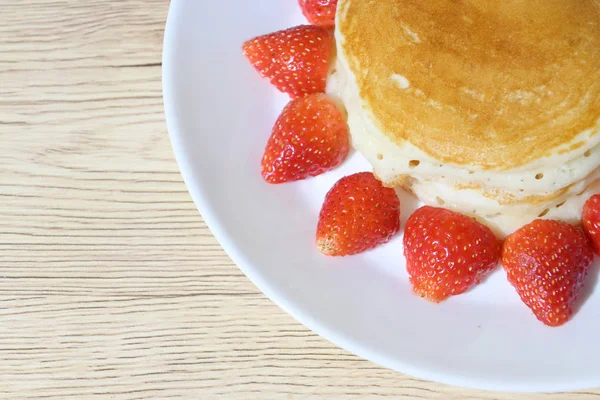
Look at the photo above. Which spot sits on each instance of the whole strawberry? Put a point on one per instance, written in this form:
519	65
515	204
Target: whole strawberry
309	138
296	60
358	214
547	263
319	12
447	253
591	220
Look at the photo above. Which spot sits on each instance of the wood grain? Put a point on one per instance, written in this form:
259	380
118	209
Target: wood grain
111	286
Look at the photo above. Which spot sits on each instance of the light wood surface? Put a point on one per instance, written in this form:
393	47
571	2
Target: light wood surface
111	286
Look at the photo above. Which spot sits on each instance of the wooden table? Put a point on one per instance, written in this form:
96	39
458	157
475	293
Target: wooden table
111	286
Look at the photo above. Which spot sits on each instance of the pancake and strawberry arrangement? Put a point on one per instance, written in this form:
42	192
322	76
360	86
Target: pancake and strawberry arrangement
487	112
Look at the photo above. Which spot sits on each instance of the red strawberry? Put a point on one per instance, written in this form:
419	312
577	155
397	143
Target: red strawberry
296	60
547	262
358	214
309	138
319	12
591	220
447	253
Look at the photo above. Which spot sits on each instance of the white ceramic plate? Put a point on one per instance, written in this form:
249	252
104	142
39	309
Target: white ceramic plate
220	114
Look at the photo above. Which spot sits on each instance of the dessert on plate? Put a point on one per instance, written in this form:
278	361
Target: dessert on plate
487	111
490	108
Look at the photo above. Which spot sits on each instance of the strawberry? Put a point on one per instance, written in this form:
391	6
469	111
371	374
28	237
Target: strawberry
319	12
309	138
547	263
358	214
591	220
447	253
295	60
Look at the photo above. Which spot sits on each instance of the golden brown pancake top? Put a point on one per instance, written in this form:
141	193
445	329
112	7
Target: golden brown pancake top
489	83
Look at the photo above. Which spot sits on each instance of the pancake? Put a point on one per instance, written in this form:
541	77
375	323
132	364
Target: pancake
489	103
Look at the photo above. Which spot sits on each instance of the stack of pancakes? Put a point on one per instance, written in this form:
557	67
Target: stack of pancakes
487	107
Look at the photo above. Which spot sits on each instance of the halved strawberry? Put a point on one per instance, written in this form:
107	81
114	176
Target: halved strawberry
358	214
309	138
547	262
319	12
591	220
447	253
296	60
